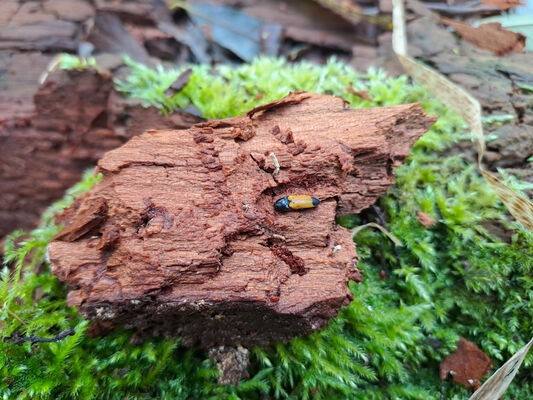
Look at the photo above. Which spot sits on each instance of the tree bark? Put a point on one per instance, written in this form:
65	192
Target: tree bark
181	237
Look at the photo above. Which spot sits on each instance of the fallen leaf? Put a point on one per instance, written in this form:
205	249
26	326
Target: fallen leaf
234	30
136	13
70	10
460	10
8	8
467	365
503	4
109	35
192	37
490	36
46	36
334	40
351	12
425	219
143	33
361	93
306	22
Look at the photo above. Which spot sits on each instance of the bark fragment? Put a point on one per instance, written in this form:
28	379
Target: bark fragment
191	244
467	365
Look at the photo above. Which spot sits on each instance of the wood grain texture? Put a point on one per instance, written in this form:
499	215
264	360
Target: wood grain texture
181	237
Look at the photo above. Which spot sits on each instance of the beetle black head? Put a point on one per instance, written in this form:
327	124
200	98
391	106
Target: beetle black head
282	205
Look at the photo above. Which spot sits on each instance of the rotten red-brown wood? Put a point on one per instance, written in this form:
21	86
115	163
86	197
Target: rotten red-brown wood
48	141
181	237
467	365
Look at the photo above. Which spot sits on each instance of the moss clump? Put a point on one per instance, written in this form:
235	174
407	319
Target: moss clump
452	279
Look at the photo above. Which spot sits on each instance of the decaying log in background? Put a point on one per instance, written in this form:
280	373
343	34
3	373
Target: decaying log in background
181	237
47	143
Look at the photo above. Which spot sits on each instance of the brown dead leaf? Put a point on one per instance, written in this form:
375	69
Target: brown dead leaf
503	4
467	365
361	93
490	36
425	219
351	12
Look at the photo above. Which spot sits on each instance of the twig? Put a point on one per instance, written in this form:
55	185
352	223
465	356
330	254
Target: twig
393	238
16	339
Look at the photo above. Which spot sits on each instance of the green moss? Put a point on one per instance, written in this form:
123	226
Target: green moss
69	61
452	279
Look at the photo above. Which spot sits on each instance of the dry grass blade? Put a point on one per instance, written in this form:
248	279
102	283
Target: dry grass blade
13	315
396	241
496	385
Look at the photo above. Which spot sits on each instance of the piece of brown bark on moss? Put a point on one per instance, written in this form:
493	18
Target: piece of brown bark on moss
180	238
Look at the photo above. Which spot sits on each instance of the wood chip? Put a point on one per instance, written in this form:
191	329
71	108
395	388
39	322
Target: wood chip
467	365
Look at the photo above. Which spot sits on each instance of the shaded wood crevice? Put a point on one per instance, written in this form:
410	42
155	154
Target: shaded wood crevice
198	251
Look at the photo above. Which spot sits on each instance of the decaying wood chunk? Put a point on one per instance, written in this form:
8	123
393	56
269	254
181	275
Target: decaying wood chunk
181	237
467	365
62	129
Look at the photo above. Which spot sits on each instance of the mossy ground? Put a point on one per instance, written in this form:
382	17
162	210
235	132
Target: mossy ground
453	279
